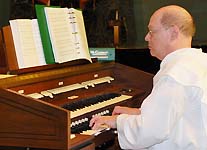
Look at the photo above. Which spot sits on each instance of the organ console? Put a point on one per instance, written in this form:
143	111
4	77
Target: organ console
50	107
42	109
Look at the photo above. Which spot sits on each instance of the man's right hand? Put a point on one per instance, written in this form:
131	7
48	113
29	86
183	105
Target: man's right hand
125	110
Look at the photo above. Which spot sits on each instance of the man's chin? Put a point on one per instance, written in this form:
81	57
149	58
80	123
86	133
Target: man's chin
151	52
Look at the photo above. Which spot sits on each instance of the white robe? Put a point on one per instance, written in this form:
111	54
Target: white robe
174	115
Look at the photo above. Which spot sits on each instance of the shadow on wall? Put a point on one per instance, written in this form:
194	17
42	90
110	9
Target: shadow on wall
4	12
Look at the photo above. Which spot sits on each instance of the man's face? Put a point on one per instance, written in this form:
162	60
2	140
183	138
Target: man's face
157	37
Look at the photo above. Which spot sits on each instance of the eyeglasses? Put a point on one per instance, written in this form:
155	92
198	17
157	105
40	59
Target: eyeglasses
152	32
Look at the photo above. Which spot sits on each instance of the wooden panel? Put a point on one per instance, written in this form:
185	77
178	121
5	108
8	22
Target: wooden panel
26	122
82	142
10	53
51	74
3	64
2	55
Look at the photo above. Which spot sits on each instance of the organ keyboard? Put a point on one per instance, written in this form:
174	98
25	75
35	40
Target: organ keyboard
98	105
76	92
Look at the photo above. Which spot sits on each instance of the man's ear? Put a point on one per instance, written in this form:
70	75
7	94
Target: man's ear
174	30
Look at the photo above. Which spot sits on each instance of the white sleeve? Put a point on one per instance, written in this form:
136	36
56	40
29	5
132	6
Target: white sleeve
159	113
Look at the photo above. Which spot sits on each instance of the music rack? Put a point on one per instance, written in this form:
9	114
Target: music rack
9	64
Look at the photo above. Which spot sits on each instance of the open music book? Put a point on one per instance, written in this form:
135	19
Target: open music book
67	34
27	43
66	38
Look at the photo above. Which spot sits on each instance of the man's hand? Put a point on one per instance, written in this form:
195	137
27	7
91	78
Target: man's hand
97	121
110	121
125	110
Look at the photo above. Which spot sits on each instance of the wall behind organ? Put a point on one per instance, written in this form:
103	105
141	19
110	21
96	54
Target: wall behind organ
133	17
197	8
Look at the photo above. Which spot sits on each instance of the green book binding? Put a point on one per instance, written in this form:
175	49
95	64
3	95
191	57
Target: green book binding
44	33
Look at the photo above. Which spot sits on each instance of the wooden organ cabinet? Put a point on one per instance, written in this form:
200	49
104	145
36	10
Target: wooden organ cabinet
43	109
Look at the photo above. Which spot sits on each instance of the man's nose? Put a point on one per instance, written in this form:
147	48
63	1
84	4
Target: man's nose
147	37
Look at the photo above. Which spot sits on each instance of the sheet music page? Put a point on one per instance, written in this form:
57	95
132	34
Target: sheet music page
81	39
38	42
17	45
61	28
24	43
